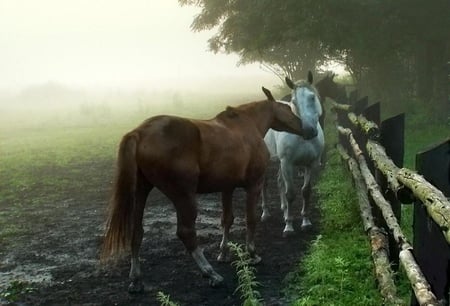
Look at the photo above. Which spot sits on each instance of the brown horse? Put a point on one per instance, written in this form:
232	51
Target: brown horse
182	157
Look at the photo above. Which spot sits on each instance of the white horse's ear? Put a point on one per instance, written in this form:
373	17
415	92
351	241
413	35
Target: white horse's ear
289	83
310	77
268	94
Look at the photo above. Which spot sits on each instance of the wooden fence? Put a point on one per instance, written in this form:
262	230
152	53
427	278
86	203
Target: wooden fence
373	150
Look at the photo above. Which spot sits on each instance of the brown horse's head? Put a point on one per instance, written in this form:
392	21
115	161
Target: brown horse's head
285	120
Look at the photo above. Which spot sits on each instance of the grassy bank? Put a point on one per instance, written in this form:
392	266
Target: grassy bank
338	269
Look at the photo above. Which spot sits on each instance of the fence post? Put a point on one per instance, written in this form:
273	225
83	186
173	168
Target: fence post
392	131
431	250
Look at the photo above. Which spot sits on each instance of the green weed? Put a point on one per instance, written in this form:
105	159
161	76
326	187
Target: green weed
165	299
16	288
246	276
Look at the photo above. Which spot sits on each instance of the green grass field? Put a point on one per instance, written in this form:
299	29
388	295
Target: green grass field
43	144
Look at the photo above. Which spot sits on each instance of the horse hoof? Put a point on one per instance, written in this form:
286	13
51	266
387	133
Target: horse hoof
288	233
306	224
136	287
255	260
216	281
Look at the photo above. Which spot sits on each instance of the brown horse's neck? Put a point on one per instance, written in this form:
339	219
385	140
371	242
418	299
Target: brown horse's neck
259	114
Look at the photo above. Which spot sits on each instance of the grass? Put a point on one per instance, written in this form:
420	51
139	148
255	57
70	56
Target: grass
15	288
337	267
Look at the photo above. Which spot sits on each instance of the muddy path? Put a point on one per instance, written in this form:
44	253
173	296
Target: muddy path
56	251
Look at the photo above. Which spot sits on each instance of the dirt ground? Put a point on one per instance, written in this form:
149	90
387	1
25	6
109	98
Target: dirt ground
58	253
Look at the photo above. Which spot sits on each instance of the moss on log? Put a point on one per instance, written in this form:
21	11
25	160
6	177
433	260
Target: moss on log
369	128
383	163
422	289
342	107
374	190
437	205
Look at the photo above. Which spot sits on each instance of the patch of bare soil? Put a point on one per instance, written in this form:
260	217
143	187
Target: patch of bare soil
58	251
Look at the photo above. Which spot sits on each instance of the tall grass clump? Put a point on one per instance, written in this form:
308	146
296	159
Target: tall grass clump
246	276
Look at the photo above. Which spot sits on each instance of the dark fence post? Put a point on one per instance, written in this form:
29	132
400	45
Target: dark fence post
431	250
353	96
392	135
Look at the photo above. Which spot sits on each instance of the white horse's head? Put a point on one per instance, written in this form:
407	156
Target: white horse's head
305	103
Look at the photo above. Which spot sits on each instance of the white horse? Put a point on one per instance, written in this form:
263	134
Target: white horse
294	152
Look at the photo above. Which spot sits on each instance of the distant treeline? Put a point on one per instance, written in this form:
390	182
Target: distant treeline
394	50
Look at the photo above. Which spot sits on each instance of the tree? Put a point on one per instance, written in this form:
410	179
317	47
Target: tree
393	49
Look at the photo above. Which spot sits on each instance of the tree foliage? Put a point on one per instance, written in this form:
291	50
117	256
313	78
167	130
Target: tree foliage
385	44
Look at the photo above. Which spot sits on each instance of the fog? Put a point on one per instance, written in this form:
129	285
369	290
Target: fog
112	45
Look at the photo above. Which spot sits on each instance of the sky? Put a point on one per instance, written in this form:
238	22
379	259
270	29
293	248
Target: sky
108	43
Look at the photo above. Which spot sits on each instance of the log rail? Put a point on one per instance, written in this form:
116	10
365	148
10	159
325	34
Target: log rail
366	159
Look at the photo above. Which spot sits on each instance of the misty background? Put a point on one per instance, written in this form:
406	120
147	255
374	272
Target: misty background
145	57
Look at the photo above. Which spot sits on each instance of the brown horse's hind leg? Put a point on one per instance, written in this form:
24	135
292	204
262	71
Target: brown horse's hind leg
186	207
142	191
227	221
253	195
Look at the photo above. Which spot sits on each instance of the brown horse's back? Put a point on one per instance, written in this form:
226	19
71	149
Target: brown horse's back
168	152
203	156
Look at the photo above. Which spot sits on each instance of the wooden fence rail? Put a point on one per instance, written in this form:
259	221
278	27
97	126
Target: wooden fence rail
388	185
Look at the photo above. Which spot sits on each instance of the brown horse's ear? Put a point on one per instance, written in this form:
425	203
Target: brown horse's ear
268	94
310	77
289	83
332	76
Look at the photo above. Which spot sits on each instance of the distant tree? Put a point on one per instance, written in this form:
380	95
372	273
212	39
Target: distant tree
393	49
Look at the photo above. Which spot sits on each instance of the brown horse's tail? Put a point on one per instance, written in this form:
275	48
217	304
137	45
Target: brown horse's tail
120	220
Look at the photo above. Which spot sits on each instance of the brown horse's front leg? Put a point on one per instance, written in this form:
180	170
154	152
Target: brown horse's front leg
186	207
253	196
227	221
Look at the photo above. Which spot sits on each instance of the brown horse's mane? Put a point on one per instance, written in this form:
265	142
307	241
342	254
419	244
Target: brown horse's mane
232	112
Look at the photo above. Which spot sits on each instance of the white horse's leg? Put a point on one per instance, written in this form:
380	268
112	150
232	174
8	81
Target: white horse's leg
282	191
265	209
226	220
287	170
305	194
